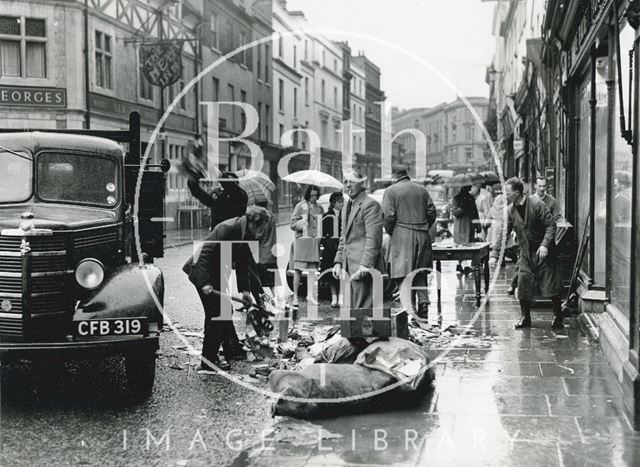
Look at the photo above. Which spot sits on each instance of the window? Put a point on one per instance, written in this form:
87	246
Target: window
232	93
259	62
267	114
306	49
183	100
322	91
215	90
468	152
23	47
243	116
416	123
323	57
295	56
267	54
295	102
242	37
280	131
335	65
214	30
335	96
145	87
280	47
281	95
259	120
306	91
103	60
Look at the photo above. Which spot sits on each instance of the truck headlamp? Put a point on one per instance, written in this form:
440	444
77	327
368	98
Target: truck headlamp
90	273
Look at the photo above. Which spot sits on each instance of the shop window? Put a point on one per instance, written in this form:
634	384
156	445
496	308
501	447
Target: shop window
103	57
620	217
582	161
23	47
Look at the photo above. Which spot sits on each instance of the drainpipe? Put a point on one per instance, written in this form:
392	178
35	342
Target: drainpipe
87	74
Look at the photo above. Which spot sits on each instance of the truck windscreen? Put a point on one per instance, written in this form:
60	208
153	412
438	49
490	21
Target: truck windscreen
77	178
16	170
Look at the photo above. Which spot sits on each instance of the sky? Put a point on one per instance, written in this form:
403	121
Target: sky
452	36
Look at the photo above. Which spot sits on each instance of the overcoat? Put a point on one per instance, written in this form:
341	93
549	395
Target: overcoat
409	214
306	248
465	211
538	228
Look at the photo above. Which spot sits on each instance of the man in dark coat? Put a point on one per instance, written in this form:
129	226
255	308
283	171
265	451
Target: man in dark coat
230	202
409	213
535	229
205	274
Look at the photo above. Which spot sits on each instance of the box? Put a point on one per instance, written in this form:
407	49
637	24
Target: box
362	324
399	323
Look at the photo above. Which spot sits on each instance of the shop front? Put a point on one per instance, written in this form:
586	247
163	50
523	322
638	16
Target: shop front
597	176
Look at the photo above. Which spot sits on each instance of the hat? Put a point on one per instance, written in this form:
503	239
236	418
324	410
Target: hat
257	214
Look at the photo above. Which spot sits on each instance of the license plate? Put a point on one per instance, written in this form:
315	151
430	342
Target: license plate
111	327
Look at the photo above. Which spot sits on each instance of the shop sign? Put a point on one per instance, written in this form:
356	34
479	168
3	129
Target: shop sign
120	109
33	96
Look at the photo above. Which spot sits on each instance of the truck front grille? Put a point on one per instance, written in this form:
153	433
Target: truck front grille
48	300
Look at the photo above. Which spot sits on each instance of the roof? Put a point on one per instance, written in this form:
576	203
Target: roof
36	141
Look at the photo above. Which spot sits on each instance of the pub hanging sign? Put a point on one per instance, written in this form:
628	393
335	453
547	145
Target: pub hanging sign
162	62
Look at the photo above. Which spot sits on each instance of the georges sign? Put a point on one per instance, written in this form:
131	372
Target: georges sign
33	96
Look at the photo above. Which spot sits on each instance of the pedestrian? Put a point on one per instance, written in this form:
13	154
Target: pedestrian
306	245
226	203
409	213
496	217
331	231
464	210
205	274
267	262
360	247
484	201
535	229
549	201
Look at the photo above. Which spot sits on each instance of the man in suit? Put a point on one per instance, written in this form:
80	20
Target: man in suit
206	270
409	214
549	201
360	248
537	266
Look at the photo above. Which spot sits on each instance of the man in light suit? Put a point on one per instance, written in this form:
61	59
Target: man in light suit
360	248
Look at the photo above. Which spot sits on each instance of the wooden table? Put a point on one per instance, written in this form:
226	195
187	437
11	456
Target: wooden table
477	252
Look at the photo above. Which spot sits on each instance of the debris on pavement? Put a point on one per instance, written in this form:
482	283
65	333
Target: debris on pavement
299	432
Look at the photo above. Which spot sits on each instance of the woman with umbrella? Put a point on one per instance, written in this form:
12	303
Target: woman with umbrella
306	247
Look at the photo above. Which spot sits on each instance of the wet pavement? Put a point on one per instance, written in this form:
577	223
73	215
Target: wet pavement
501	397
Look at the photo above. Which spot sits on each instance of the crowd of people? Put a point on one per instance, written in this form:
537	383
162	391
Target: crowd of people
345	245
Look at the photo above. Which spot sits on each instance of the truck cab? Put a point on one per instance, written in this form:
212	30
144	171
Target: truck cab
74	282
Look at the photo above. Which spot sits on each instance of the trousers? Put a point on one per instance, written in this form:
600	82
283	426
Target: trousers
216	333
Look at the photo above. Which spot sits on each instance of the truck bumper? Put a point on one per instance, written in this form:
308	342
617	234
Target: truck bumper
77	349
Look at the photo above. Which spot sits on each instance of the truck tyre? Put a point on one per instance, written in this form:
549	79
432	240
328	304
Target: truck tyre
140	371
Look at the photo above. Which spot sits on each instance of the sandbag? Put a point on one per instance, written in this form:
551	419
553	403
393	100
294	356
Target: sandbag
327	381
404	360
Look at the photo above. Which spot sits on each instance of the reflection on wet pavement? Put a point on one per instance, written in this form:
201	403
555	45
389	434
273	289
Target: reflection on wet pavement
501	397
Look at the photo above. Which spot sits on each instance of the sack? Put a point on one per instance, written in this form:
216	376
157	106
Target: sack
307	249
327	381
405	361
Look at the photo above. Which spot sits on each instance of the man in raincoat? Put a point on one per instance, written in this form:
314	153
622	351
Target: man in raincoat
409	213
535	229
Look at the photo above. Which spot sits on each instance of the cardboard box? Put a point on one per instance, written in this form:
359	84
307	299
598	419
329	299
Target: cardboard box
362	324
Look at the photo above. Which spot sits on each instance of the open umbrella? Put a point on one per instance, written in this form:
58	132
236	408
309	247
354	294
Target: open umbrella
489	177
256	184
313	177
465	179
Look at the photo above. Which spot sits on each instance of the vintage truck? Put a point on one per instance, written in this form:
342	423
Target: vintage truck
73	283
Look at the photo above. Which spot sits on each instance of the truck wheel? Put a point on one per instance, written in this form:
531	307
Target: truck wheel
140	371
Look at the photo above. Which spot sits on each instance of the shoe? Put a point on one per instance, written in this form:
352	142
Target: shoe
511	290
334	302
220	363
557	322
423	310
524	323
